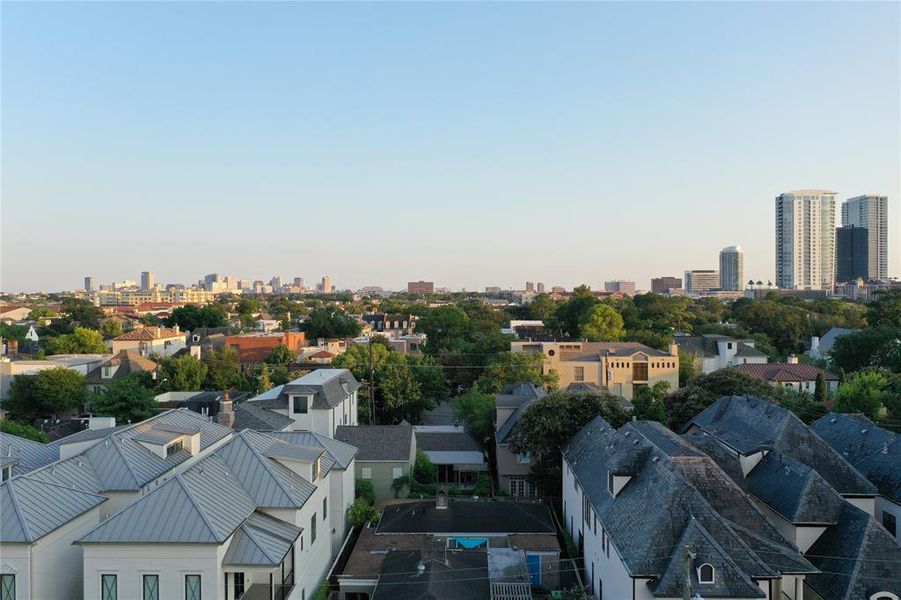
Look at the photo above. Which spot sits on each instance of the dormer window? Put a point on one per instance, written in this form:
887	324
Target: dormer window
301	404
706	573
173	448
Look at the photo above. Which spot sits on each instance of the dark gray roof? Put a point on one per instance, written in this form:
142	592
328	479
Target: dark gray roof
521	396
340	452
378	442
249	415
707	346
675	493
28	455
873	451
462	576
467	517
328	387
857	558
31	509
749	424
127	361
261	541
446	441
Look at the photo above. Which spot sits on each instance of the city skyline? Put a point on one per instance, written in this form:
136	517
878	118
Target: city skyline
385	144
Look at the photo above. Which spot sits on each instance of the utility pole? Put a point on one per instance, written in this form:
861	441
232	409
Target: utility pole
686	587
371	386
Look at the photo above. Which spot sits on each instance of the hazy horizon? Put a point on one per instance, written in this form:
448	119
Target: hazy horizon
467	144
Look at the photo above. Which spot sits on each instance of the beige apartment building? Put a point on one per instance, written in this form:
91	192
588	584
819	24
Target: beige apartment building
619	367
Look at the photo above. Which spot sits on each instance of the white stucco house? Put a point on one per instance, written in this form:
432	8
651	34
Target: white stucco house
715	352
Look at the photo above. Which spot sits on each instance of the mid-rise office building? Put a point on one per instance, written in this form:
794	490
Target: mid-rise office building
805	240
870	211
664	285
620	285
852	253
89	284
147	280
421	287
702	280
732	269
540	287
325	286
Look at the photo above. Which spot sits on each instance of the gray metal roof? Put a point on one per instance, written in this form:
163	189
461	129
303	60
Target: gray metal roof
378	442
30	509
261	541
30	455
86	435
343	454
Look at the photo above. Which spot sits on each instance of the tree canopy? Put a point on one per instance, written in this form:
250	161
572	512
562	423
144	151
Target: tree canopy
329	322
125	398
81	341
191	317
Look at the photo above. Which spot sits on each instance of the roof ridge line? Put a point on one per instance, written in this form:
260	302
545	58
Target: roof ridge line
245	529
15	500
60	485
269	468
125	461
203	517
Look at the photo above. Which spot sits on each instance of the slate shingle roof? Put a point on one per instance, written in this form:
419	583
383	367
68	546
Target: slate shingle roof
522	396
329	388
378	442
249	415
873	451
675	492
445	441
857	558
748	424
707	346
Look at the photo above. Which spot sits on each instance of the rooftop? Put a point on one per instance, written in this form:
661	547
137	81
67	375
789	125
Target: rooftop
378	442
467	517
785	372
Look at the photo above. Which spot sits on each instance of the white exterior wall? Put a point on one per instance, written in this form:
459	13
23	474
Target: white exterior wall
15	559
867	505
56	562
129	562
341	496
884	505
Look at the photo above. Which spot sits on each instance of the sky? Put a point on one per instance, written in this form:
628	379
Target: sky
471	144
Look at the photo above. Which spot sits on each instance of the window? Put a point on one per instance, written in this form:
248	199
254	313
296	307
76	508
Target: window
639	371
7	587
705	573
300	404
524	459
173	448
324	508
239	584
578	373
313	529
192	587
109	587
890	523
366	473
151	587
396	472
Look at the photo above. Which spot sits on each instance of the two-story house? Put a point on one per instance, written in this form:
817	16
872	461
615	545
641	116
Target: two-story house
618	367
320	401
147	341
385	453
513	469
715	352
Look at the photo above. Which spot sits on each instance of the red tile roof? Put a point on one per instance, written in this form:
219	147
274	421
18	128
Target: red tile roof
147	334
782	372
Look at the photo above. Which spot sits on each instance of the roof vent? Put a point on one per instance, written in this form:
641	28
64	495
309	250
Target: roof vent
655	459
863	431
833	420
420	568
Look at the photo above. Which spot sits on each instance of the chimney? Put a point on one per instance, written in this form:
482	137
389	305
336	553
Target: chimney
793	359
226	416
177	329
673	349
159	331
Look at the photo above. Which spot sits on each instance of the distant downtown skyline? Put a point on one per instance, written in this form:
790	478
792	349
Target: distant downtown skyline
470	144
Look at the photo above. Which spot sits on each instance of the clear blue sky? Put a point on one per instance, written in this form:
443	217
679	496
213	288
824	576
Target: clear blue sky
471	144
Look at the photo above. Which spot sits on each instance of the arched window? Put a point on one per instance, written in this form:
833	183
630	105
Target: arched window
705	573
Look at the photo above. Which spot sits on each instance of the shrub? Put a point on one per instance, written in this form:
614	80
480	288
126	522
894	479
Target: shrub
364	489
23	431
483	486
362	513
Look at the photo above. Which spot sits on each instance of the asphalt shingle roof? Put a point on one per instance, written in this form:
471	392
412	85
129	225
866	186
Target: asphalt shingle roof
873	451
249	415
784	372
128	362
522	396
378	442
707	346
462	576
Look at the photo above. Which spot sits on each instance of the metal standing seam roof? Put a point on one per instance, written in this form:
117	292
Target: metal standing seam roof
213	498
30	455
343	454
30	509
261	540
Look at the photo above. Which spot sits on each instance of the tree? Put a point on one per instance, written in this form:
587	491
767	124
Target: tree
885	310
424	471
603	324
81	341
13	332
863	348
263	383
683	404
281	355
688	368
549	423
81	313
362	513
191	317
111	328
363	488
183	373
447	328
571	315
40	313
864	392
541	307
126	399
648	402
330	322
515	367
60	390
819	390
476	409
23	403
23	431
399	395
223	369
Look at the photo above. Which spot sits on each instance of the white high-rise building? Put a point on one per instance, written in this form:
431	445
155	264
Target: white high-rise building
732	269
805	240
870	211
